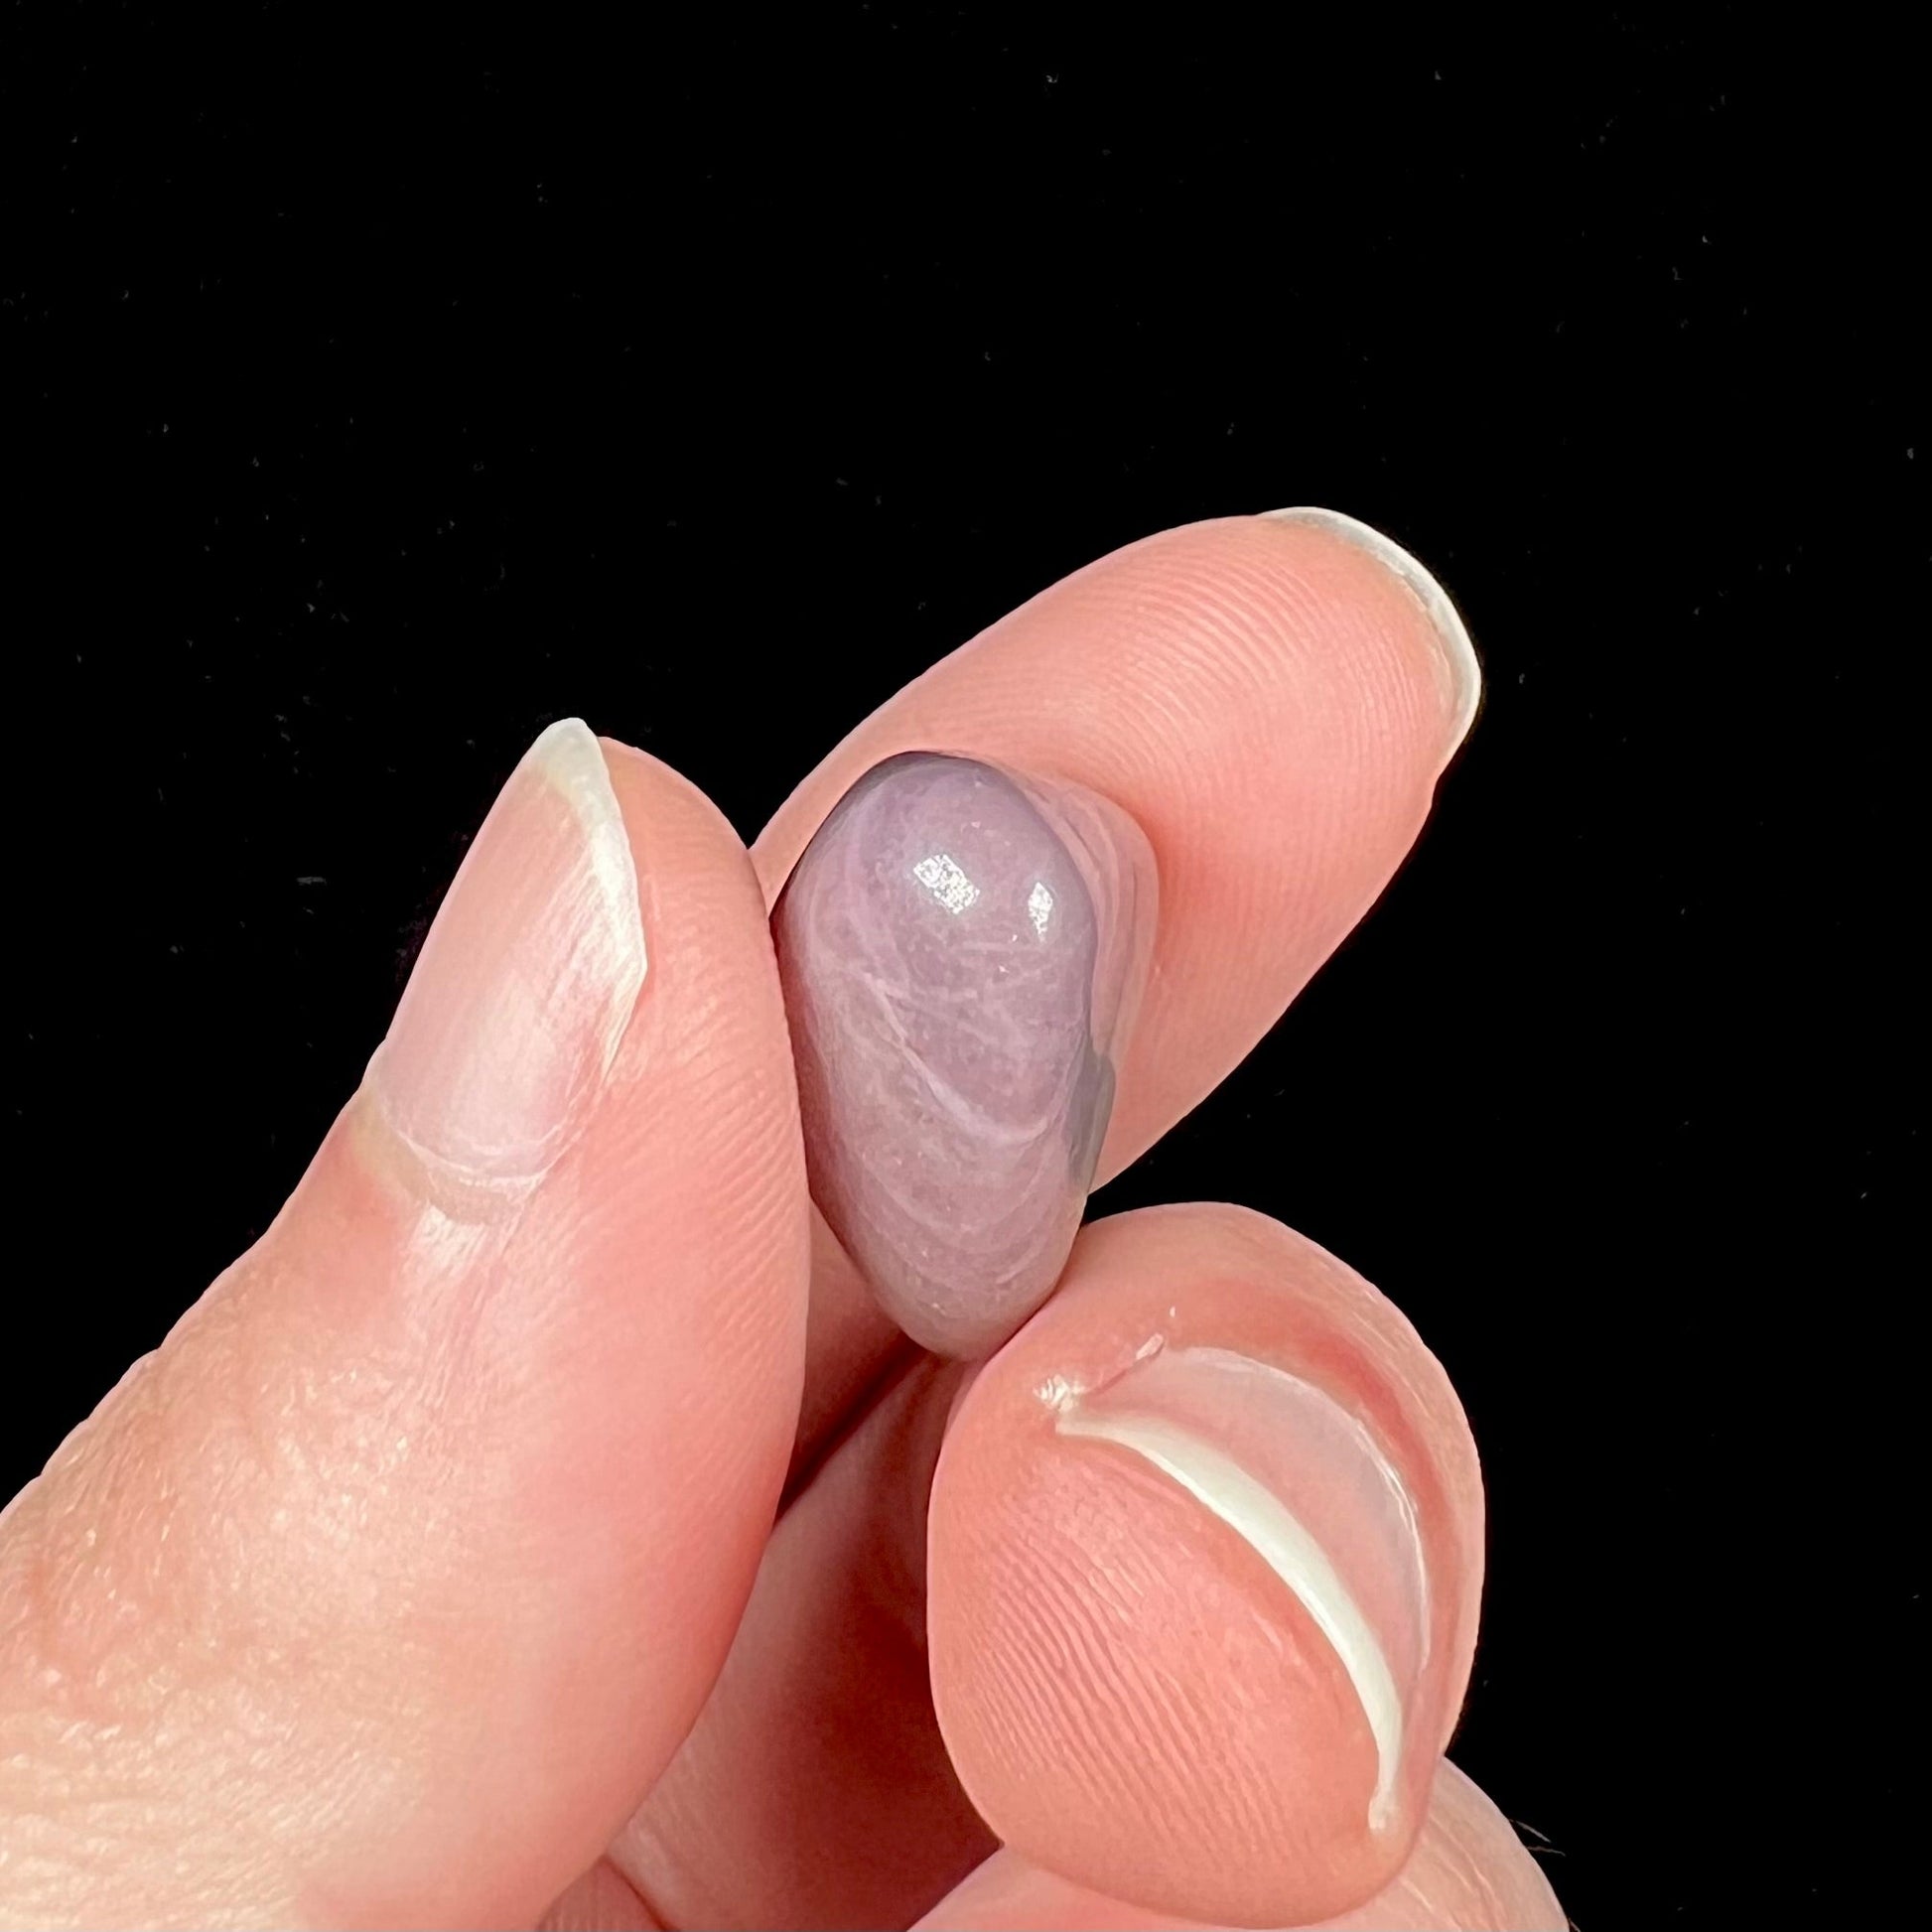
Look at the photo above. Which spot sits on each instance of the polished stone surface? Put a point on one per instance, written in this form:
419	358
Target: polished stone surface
961	950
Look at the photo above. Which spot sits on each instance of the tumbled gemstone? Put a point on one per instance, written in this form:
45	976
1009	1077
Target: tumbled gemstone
960	949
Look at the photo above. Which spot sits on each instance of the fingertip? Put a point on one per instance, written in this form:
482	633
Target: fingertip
466	1465
1458	661
1204	1555
1270	703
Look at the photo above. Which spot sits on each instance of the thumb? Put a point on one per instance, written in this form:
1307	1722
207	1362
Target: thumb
386	1585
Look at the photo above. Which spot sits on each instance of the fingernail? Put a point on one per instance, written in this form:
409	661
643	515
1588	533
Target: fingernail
962	949
527	980
1462	669
1305	1484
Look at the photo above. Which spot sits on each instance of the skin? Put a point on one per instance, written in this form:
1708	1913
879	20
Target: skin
428	1571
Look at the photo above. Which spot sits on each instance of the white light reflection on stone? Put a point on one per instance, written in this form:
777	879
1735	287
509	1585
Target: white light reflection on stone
941	875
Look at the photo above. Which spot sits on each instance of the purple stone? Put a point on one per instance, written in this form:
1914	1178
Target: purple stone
961	949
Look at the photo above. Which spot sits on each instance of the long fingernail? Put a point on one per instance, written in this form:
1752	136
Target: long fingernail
962	949
1305	1484
527	980
1462	669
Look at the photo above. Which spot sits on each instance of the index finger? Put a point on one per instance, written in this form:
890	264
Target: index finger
1272	700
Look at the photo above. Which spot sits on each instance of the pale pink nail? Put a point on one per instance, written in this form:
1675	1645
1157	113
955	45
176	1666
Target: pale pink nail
962	949
527	980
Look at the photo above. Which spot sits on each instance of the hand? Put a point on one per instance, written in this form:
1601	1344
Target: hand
427	1573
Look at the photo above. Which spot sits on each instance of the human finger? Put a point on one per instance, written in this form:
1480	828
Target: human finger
381	1591
1204	1562
1267	701
814	1789
1468	1872
1087	1622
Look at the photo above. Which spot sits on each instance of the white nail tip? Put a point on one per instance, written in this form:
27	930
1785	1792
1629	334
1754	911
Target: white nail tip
1258	1517
1459	650
569	756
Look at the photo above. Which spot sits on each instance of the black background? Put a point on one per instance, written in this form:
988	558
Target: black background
377	393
